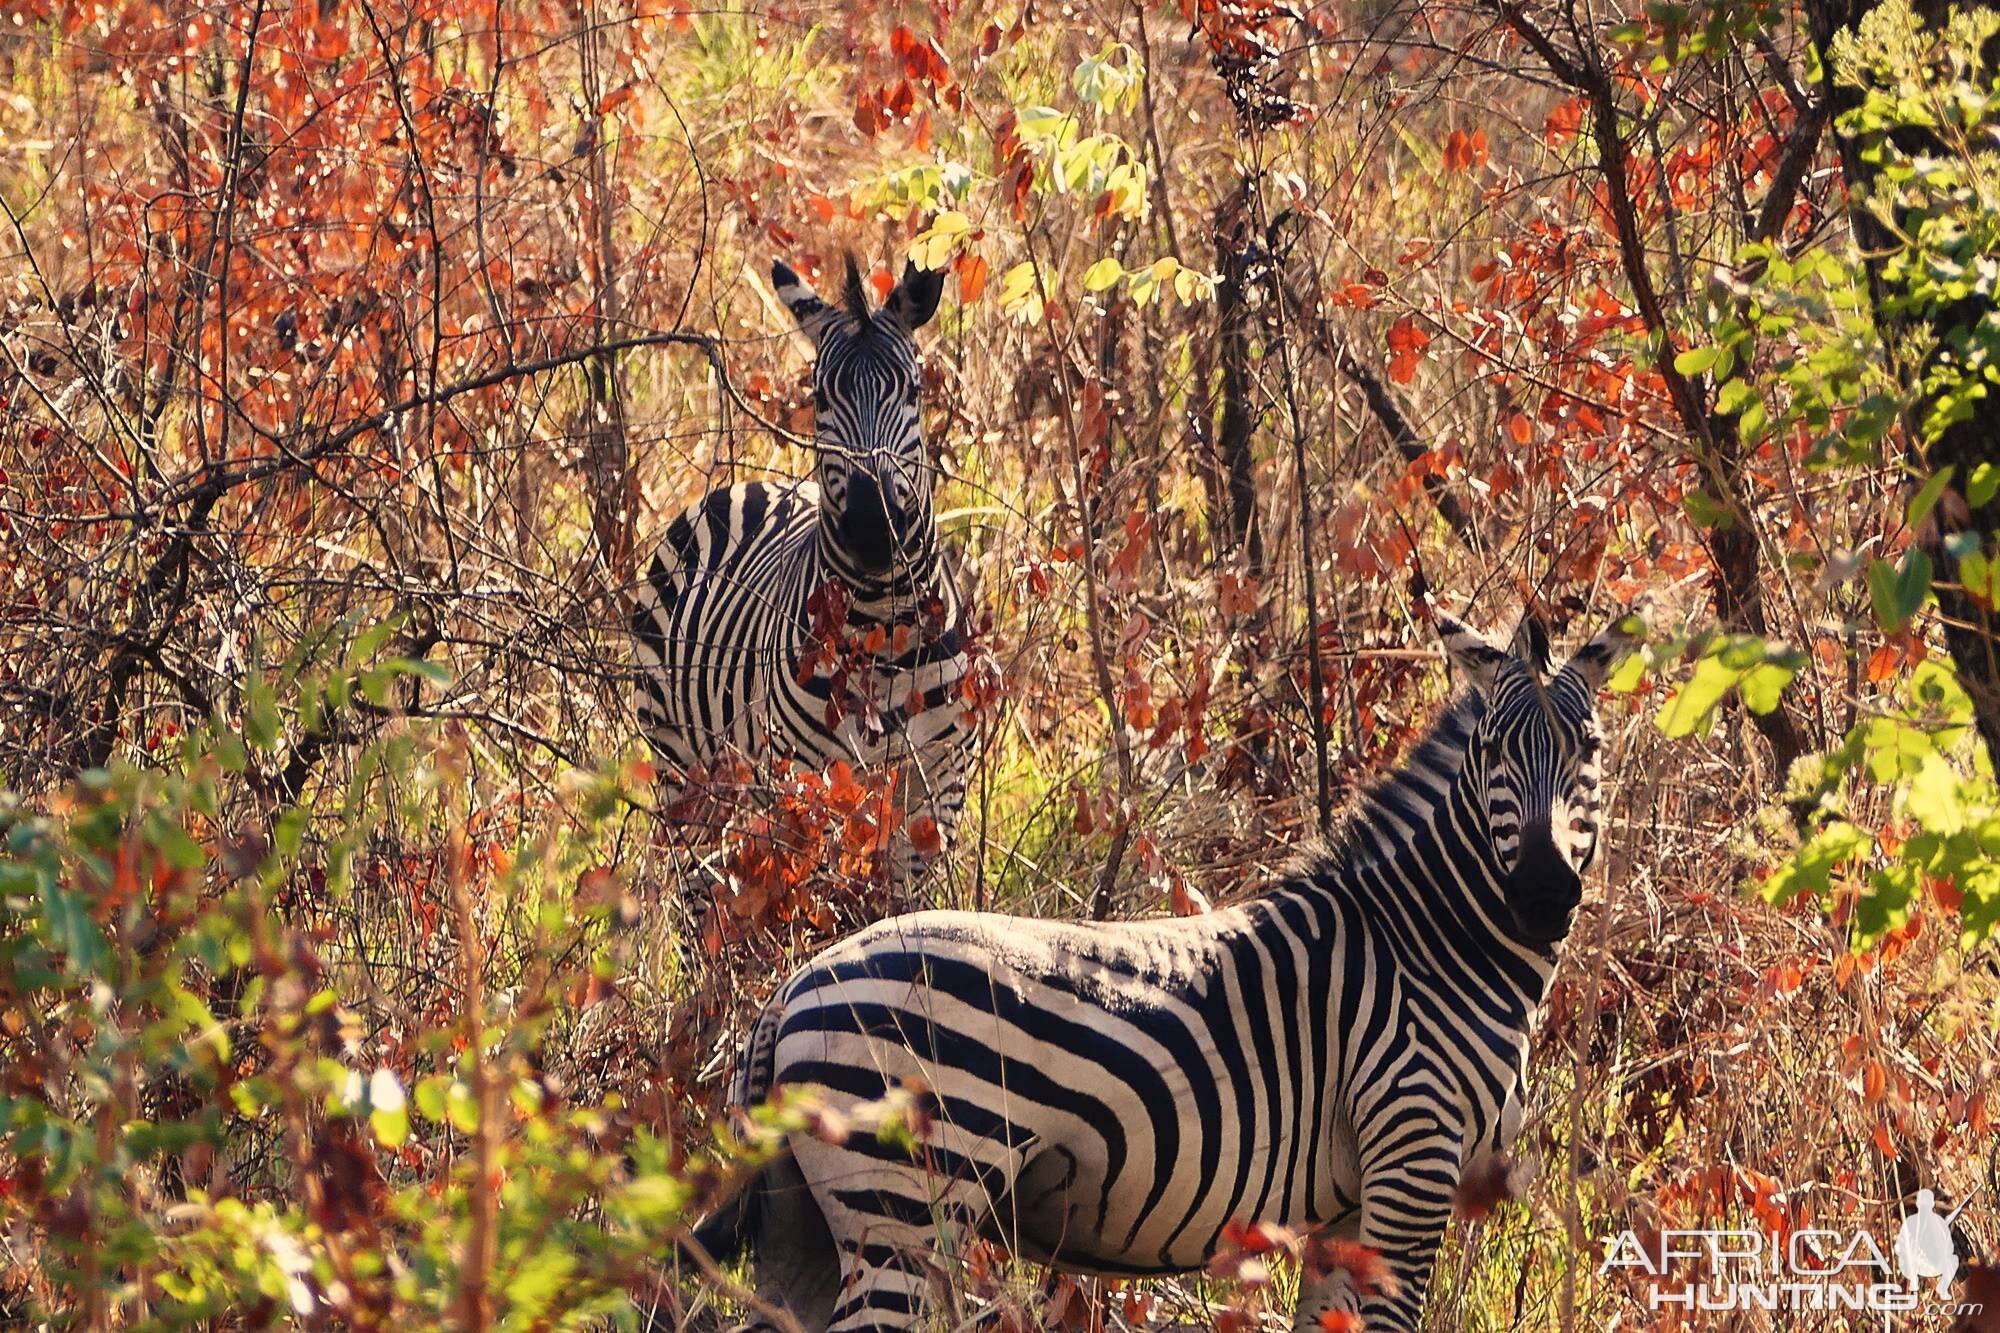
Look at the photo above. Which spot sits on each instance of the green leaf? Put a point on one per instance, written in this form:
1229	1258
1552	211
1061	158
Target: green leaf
199	1023
1709	512
370	641
1697	360
1913	583
1899	593
1934	798
538	1284
173	843
70	931
1756	418
375	683
1886	905
430	1096
1926	499
229	751
1628	675
654	1200
1763	684
1733	396
1982	484
1812	867
1693	706
461	1108
260	713
388	1110
1103	275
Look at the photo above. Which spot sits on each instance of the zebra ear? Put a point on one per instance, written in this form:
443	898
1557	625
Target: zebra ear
915	299
1475	659
812	313
1590	664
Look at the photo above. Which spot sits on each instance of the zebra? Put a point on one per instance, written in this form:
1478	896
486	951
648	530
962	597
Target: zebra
1337	1052
815	620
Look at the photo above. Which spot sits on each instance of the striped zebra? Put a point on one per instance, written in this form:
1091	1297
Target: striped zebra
815	620
1336	1052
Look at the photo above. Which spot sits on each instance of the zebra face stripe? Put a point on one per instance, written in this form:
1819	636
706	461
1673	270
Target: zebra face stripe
1532	766
874	473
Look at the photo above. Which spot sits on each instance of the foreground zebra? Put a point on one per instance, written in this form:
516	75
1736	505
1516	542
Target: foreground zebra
1108	1097
748	583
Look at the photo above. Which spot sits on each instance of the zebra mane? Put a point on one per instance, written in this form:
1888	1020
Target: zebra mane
1407	791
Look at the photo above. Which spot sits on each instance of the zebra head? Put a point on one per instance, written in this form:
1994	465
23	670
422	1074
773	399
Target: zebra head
1531	765
874	476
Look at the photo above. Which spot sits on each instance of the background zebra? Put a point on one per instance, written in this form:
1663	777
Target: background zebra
1107	1097
727	614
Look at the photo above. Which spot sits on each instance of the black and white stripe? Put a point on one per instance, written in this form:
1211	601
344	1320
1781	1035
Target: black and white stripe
725	617
1107	1098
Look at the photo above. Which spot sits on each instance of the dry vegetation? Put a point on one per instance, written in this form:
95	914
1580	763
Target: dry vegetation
311	436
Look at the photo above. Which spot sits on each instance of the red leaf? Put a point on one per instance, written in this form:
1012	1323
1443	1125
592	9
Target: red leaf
1406	348
1564	121
972	271
1489	1182
924	835
1883	1143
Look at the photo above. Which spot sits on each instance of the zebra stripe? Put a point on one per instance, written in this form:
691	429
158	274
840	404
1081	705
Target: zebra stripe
725	619
1107	1098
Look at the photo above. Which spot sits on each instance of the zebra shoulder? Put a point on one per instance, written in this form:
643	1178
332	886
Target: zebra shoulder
725	521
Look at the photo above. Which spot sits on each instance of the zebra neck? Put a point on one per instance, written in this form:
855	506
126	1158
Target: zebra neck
1414	859
876	597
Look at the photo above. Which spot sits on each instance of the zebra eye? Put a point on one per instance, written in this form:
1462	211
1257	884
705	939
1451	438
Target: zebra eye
819	398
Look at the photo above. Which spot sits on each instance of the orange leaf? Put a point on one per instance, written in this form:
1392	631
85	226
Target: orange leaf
1486	1184
972	271
1406	347
1564	121
1883	1142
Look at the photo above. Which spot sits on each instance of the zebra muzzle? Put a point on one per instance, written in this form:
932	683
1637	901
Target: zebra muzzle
872	526
1543	892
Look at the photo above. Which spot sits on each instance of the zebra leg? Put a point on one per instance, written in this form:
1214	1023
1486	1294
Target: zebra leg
889	1219
932	786
1405	1207
798	1267
1332	1293
886	1287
